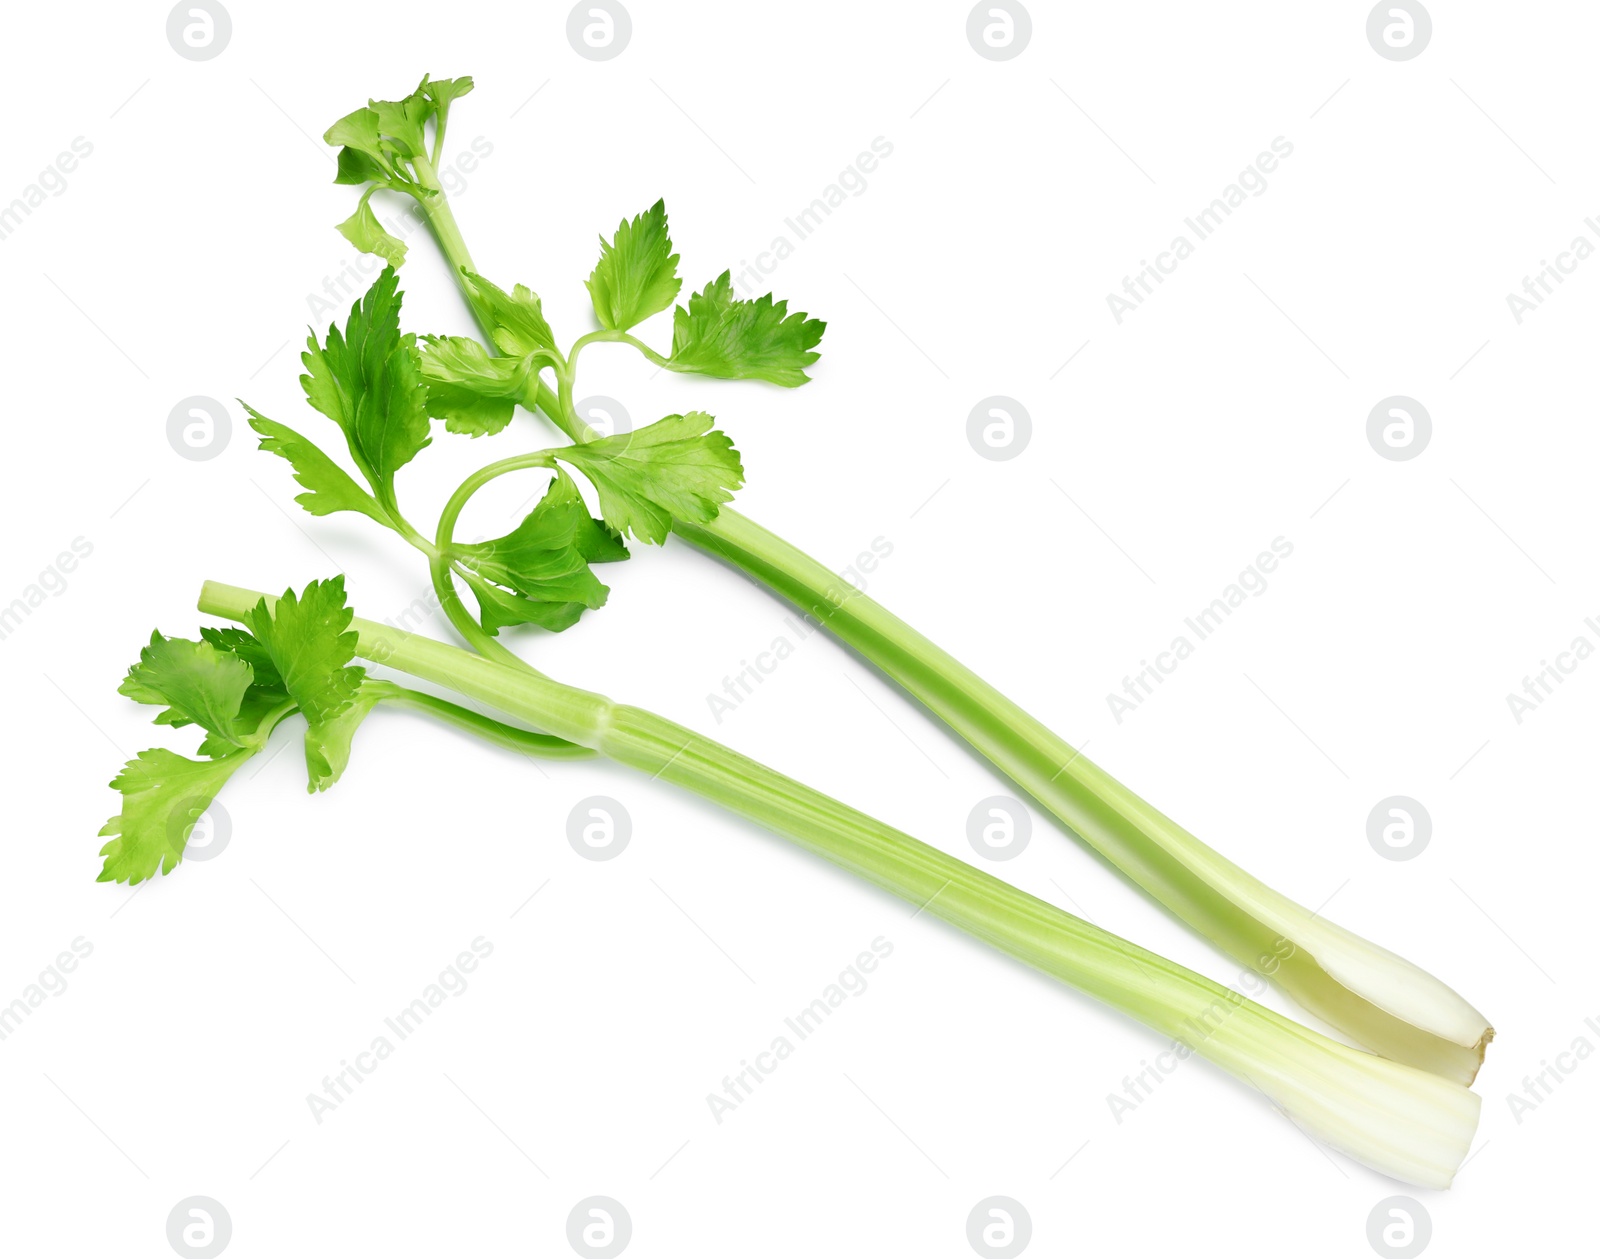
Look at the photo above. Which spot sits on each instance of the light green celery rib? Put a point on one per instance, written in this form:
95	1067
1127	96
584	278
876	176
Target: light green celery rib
1399	1120
1374	996
1378	998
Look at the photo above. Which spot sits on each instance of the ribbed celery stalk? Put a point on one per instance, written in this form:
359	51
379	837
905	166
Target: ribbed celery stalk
1397	1119
1371	994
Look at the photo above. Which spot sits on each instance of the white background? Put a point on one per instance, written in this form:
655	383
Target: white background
1231	409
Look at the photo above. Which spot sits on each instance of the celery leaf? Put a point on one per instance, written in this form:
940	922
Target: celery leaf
677	468
721	335
637	274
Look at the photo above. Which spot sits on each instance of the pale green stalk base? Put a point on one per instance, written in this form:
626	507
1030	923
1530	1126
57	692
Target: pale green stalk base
1397	1119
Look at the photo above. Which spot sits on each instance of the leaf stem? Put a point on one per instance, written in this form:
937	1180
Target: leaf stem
621	338
439	566
497	732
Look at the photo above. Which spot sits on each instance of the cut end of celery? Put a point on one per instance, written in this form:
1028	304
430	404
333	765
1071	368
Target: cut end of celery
1416	1127
1404	1122
1390	1005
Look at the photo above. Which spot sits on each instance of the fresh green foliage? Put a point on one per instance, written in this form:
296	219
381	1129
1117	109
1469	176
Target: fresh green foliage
307	639
363	155
379	386
471	392
236	685
327	742
363	230
369	382
200	684
721	335
378	143
539	573
476	393
329	487
637	274
163	796
677	468
516	318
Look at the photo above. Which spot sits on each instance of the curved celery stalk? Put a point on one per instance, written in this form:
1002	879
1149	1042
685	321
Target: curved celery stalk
1374	996
1397	1119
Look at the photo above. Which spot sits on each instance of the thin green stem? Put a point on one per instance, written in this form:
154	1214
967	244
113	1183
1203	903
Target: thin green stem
621	338
442	223
412	535
269	723
566	415
441	574
458	500
497	732
439	567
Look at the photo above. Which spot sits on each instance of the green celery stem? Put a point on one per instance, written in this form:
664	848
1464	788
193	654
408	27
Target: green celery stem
1115	822
1178	1002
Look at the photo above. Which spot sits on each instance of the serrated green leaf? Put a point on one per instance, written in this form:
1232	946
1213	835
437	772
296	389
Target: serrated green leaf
467	389
403	121
368	381
677	468
163	796
199	684
308	639
329	488
637	274
721	335
356	130
500	609
328	742
265	703
516	319
442	91
358	167
245	645
539	572
385	127
363	230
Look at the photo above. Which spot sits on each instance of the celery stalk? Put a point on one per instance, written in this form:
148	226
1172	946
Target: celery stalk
1398	1119
1372	995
